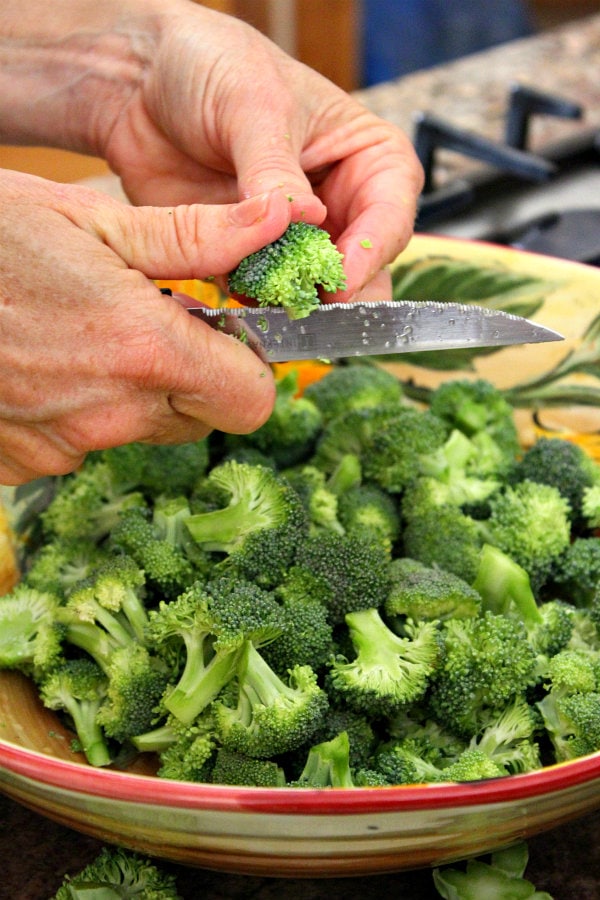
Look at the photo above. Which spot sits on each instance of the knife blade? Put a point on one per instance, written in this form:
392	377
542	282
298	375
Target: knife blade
338	330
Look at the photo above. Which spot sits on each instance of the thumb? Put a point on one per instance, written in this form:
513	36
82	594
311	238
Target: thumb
195	241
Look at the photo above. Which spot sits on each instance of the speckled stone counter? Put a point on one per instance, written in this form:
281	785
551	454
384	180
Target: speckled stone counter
472	92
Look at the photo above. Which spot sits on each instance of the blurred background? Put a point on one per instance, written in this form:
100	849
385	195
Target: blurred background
356	43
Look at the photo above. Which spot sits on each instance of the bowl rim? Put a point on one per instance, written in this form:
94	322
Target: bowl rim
130	787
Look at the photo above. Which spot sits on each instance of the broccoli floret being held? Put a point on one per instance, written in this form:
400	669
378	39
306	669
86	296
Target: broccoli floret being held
288	271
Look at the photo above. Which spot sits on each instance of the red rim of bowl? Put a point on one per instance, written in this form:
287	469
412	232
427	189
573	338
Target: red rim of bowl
123	786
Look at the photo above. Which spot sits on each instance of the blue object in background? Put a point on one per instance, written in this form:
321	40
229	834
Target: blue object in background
401	36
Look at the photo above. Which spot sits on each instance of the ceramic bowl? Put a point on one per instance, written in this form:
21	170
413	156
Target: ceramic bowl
293	832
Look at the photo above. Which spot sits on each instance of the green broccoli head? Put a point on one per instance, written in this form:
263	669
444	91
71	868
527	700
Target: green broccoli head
30	637
288	271
328	765
263	716
485	663
388	672
352	387
119	873
423	592
576	573
236	768
158	469
394	452
444	537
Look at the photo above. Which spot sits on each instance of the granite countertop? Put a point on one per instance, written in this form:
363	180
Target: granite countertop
471	92
36	853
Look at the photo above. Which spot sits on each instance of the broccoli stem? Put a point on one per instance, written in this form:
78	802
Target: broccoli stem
199	684
501	582
89	733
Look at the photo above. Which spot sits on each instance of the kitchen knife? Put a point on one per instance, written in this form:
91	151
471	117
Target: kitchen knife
339	330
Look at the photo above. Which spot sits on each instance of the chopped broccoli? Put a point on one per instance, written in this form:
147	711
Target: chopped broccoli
88	503
168	568
235	768
61	563
328	765
362	736
576	574
307	635
411	760
425	592
289	435
261	525
355	568
388	671
212	622
320	502
79	688
530	523
351	434
366	507
119	873
508	739
347	388
563	465
485	663
30	637
157	469
445	537
500	878
287	271
262	716
571	707
191	753
474	764
505	587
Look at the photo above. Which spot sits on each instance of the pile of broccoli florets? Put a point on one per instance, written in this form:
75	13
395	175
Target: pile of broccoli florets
363	592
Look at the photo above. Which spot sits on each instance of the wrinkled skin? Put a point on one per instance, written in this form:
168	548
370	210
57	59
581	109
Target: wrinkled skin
220	140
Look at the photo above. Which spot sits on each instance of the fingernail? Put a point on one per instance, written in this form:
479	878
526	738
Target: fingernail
251	211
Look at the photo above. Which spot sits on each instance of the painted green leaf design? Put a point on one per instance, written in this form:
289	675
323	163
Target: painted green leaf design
444	279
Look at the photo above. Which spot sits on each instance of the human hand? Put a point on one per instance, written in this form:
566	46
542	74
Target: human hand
222	114
91	353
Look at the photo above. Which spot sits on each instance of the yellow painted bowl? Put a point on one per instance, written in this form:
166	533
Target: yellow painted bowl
293	832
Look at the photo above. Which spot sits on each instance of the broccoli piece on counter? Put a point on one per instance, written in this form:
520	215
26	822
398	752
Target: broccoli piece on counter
499	876
119	873
288	271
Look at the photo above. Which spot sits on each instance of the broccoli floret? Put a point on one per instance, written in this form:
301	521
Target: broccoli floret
500	878
352	387
320	502
212	622
79	688
367	507
88	503
287	271
260	527
327	765
61	563
444	537
359	728
113	596
190	754
576	574
307	636
168	568
355	567
137	680
411	760
571	708
485	663
563	465
479	410
508	739
425	592
157	469
289	435
30	636
119	873
235	768
394	453
350	434
388	671
473	764
590	507
505	587
262	716
530	523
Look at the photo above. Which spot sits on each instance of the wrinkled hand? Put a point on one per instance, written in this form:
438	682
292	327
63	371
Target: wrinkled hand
91	353
222	114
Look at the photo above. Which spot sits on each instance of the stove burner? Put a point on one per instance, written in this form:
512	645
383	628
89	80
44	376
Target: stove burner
571	234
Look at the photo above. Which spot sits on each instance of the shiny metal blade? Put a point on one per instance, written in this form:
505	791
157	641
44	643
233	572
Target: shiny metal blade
340	330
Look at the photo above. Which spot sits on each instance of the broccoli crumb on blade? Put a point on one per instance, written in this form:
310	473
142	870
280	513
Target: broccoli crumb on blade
288	271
